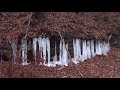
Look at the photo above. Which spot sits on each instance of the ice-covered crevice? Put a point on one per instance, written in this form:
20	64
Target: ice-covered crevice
14	50
24	52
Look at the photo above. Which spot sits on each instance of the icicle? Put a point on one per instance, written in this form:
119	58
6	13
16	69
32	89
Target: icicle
96	47
74	48
104	48
64	55
88	49
80	54
14	49
92	48
48	50
60	55
84	56
34	47
100	50
40	46
24	52
78	50
75	51
44	48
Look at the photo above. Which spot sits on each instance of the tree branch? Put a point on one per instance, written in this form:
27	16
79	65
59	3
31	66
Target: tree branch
28	26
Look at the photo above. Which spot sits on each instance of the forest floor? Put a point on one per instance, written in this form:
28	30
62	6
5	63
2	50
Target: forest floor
96	67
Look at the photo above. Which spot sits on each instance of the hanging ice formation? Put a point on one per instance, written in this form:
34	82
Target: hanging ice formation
40	46
34	47
14	50
24	52
64	58
92	48
89	49
82	50
48	50
77	50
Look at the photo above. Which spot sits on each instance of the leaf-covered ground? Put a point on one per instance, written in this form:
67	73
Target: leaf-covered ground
96	67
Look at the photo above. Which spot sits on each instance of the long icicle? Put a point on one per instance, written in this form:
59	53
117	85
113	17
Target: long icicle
92	48
97	48
40	46
24	52
14	48
60	54
80	54
84	56
64	55
48	50
34	48
88	49
44	48
75	51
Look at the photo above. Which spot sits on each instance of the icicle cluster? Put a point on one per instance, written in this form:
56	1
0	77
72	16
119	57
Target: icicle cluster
24	52
44	48
82	50
89	49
